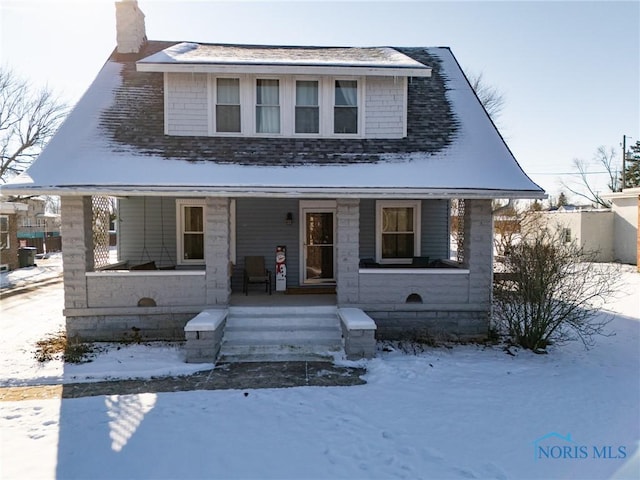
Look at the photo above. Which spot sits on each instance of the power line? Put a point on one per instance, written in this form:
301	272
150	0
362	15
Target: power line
566	173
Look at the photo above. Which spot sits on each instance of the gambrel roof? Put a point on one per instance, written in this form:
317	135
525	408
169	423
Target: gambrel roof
114	141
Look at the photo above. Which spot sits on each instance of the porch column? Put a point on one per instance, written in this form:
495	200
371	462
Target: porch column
347	250
216	248
478	250
77	249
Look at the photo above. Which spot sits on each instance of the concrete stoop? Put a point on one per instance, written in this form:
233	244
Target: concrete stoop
256	334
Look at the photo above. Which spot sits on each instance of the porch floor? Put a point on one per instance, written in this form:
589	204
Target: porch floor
280	299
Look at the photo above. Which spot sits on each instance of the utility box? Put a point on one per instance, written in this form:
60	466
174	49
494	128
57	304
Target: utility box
26	256
281	268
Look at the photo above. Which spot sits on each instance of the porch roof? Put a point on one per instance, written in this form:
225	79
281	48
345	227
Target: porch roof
113	142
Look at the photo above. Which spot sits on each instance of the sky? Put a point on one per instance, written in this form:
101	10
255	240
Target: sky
569	71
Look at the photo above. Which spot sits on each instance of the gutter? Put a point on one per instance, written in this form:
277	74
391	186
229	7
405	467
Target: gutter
275	192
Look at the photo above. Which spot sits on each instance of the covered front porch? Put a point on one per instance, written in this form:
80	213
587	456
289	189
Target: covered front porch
197	248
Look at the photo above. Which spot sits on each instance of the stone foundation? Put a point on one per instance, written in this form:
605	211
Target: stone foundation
431	325
128	328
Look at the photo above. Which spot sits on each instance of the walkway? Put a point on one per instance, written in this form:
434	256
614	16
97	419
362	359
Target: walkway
236	376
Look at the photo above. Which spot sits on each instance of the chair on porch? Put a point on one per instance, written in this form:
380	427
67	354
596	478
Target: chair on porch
256	272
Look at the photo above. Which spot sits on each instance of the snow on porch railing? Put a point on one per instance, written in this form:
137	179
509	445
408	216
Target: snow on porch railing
101	208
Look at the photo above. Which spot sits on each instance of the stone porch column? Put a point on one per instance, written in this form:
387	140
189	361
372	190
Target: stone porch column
478	250
347	250
216	251
77	249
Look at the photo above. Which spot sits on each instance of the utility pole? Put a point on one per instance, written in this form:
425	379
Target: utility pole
624	161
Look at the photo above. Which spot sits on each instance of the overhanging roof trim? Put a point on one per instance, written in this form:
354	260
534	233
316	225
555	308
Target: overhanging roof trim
277	191
197	58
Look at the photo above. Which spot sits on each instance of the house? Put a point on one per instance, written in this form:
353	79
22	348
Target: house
37	227
348	157
9	234
589	228
625	206
611	233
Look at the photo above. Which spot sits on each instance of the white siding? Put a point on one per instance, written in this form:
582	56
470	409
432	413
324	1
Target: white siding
186	104
385	107
147	230
188	107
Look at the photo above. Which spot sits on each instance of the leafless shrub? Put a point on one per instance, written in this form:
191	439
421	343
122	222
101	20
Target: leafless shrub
553	292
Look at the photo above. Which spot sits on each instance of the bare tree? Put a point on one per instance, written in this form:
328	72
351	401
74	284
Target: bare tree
491	97
603	158
28	119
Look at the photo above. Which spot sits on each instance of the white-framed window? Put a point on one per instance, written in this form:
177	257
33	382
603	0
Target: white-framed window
190	231
397	230
566	235
4	232
289	105
227	109
267	105
345	107
307	107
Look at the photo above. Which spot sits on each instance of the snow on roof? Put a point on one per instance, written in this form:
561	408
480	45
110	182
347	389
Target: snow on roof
375	57
84	157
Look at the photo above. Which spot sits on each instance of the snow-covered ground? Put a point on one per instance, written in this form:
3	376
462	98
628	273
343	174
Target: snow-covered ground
462	412
45	269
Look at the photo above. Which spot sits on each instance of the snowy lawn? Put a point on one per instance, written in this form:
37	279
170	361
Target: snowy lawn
462	412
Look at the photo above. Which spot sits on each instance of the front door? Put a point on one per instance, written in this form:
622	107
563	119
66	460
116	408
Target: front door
318	244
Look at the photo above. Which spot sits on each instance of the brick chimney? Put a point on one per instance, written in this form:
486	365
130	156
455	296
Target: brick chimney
130	31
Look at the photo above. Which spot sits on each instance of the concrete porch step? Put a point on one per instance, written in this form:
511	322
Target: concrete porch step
276	353
277	337
255	334
283	321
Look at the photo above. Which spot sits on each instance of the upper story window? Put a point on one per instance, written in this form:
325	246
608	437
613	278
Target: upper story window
307	111
267	106
345	110
228	105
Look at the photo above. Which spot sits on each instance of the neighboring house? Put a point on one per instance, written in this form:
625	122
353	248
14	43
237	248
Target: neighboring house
349	157
625	206
590	229
38	228
8	234
612	233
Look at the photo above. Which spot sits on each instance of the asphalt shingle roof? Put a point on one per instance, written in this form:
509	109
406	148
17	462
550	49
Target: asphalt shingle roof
136	120
114	141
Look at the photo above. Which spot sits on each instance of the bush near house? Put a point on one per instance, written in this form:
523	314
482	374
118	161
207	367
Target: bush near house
552	292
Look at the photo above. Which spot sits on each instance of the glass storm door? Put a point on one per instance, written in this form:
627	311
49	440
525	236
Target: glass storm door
319	248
